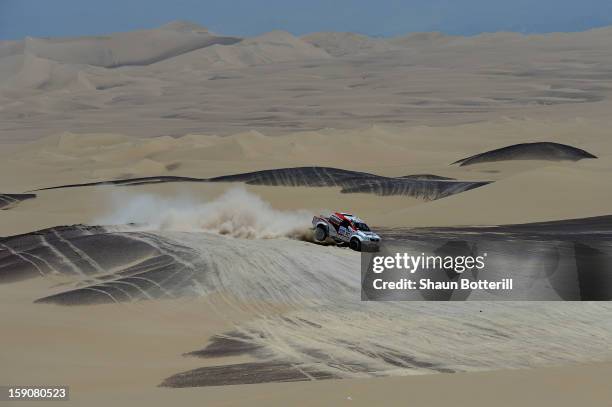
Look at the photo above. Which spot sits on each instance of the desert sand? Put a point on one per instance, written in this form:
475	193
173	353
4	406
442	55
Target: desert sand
375	126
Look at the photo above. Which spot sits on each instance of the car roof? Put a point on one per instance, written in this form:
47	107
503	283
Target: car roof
350	217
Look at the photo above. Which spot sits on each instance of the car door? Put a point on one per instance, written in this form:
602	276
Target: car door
344	231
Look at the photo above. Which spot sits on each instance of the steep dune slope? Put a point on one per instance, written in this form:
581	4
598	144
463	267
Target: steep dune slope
545	193
306	312
529	151
421	39
272	47
131	48
8	48
348	181
30	72
8	201
280	83
340	43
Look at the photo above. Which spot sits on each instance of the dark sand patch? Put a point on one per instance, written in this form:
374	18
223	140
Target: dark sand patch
425	186
246	373
8	201
529	151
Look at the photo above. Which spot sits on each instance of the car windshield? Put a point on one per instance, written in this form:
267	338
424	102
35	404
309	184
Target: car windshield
362	227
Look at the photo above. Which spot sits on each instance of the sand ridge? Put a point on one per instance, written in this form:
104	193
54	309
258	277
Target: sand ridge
563	189
323	331
208	283
277	83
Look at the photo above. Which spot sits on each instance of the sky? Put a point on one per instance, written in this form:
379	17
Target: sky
52	18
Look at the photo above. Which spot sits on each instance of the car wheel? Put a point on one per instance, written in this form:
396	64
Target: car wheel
320	234
355	245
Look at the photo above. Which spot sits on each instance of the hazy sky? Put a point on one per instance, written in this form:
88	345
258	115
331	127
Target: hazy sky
20	18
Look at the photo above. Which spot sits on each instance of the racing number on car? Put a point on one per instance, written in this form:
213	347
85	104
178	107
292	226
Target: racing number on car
343	231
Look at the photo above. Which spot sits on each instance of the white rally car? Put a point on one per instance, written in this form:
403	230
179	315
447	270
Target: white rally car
345	228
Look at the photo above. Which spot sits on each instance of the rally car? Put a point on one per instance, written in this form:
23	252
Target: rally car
345	229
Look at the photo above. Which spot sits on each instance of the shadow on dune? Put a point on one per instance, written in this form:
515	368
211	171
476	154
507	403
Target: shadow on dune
123	264
118	264
105	266
572	257
247	373
424	186
326	331
8	201
528	151
574	253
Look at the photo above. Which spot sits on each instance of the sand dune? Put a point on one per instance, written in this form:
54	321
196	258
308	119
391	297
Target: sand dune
273	47
121	49
351	182
277	83
339	43
34	255
212	153
34	73
428	187
325	331
8	48
411	164
8	201
421	39
279	46
542	194
529	151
